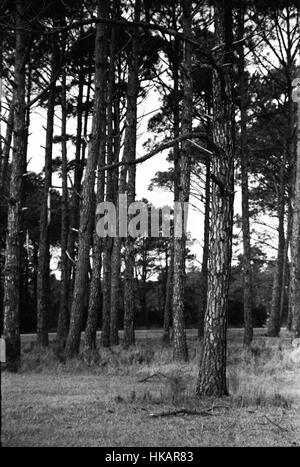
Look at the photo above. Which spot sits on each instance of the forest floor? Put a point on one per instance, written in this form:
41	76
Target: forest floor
134	398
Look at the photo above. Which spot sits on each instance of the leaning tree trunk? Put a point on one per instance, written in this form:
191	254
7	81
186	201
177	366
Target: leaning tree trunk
212	372
87	205
44	254
295	298
180	351
130	154
274	318
11	329
63	316
247	279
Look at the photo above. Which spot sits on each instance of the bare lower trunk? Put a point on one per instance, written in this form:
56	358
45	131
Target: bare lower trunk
285	274
274	318
11	329
212	371
204	269
169	298
295	298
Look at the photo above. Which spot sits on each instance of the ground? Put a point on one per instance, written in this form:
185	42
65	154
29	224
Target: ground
128	398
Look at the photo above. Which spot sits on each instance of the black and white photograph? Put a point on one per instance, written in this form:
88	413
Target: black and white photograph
150	226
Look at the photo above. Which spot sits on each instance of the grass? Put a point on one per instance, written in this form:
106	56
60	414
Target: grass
106	399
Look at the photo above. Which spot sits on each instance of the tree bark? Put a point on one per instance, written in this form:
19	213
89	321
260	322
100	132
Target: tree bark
295	297
212	372
180	351
11	329
87	206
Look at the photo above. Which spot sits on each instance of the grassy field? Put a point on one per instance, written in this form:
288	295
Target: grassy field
110	399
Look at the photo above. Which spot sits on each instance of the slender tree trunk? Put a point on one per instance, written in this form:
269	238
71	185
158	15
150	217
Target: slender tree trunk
87	206
130	154
168	300
63	317
108	242
204	269
180	351
116	248
168	308
247	278
285	274
212	372
44	254
78	170
274	318
295	298
11	329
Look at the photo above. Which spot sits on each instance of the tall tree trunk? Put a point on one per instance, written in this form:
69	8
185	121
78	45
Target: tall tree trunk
168	308
45	213
78	170
130	154
116	247
274	318
180	351
63	317
95	287
108	242
87	205
11	329
212	372
247	278
295	298
204	269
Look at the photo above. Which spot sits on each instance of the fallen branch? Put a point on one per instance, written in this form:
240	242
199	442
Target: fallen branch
208	411
144	380
180	412
281	428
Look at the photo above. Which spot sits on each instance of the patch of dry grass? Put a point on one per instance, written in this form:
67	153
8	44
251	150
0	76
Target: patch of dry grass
106	399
